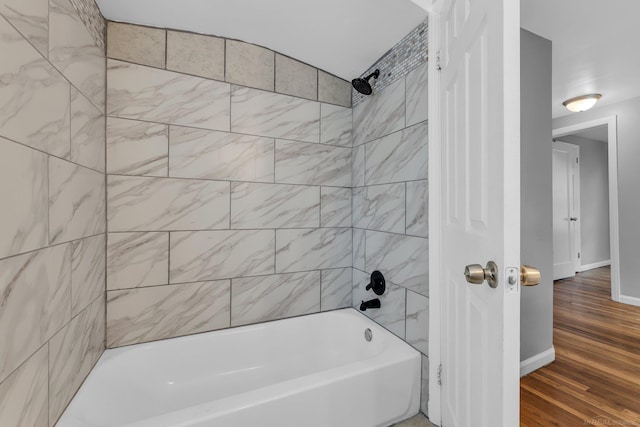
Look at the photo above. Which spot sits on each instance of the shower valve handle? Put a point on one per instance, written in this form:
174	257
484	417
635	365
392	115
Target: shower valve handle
377	283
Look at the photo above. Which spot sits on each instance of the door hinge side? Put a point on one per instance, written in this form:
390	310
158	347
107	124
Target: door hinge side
440	374
578	255
438	66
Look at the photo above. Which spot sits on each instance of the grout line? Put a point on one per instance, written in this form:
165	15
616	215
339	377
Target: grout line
405	208
106	197
168	128
49	246
231	94
166	48
155	177
223	279
71	250
230	302
320	291
261	322
275	252
320	121
52	155
274	160
168	257
365	249
320	208
230	132
48	32
404	104
70	124
225	80
213	230
48	208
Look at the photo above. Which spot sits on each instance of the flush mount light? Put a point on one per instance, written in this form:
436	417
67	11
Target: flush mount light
581	103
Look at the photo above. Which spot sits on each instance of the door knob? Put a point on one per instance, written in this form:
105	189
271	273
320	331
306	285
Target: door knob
475	274
529	276
573	218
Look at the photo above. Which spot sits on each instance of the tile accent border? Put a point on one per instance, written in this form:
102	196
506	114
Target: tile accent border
242	63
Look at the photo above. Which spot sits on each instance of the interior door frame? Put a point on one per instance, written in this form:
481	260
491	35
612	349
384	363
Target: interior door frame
577	233
435	149
614	228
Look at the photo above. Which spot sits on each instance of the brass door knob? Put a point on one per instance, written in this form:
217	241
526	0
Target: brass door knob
529	276
474	273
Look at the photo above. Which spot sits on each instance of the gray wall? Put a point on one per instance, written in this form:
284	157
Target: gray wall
594	199
536	318
628	179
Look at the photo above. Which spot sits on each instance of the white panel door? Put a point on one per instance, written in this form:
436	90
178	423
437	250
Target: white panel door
480	210
566	208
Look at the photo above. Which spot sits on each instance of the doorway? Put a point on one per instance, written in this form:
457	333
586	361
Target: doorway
604	131
566	208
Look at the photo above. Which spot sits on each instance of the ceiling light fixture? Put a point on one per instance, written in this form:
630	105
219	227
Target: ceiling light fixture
582	103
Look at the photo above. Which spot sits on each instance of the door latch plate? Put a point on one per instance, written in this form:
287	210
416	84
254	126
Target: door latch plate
512	278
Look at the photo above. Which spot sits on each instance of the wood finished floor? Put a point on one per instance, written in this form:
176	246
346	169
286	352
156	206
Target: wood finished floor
595	379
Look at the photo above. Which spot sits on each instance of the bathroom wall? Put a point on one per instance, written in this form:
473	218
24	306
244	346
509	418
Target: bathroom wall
390	198
52	184
228	188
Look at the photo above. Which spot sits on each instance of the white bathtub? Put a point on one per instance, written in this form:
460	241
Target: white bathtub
310	371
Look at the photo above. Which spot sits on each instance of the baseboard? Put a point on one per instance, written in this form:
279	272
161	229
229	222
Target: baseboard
630	300
593	265
538	361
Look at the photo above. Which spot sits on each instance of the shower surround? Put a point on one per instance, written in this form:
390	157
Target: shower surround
240	187
228	188
52	182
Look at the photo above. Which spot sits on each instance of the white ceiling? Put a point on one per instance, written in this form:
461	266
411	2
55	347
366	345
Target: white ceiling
595	47
594	43
343	37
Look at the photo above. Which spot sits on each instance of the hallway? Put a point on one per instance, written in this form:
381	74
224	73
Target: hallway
595	379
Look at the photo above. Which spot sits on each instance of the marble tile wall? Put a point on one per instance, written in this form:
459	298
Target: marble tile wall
390	207
52	182
225	60
231	175
228	199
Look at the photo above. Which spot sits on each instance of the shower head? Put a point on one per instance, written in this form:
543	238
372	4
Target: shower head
362	84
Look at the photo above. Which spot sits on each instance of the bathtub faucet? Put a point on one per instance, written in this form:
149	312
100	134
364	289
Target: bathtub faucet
372	303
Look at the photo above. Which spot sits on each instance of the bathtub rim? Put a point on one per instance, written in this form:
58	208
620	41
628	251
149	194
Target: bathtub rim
403	352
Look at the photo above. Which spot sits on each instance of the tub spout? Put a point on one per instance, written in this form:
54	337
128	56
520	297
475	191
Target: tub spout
372	303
